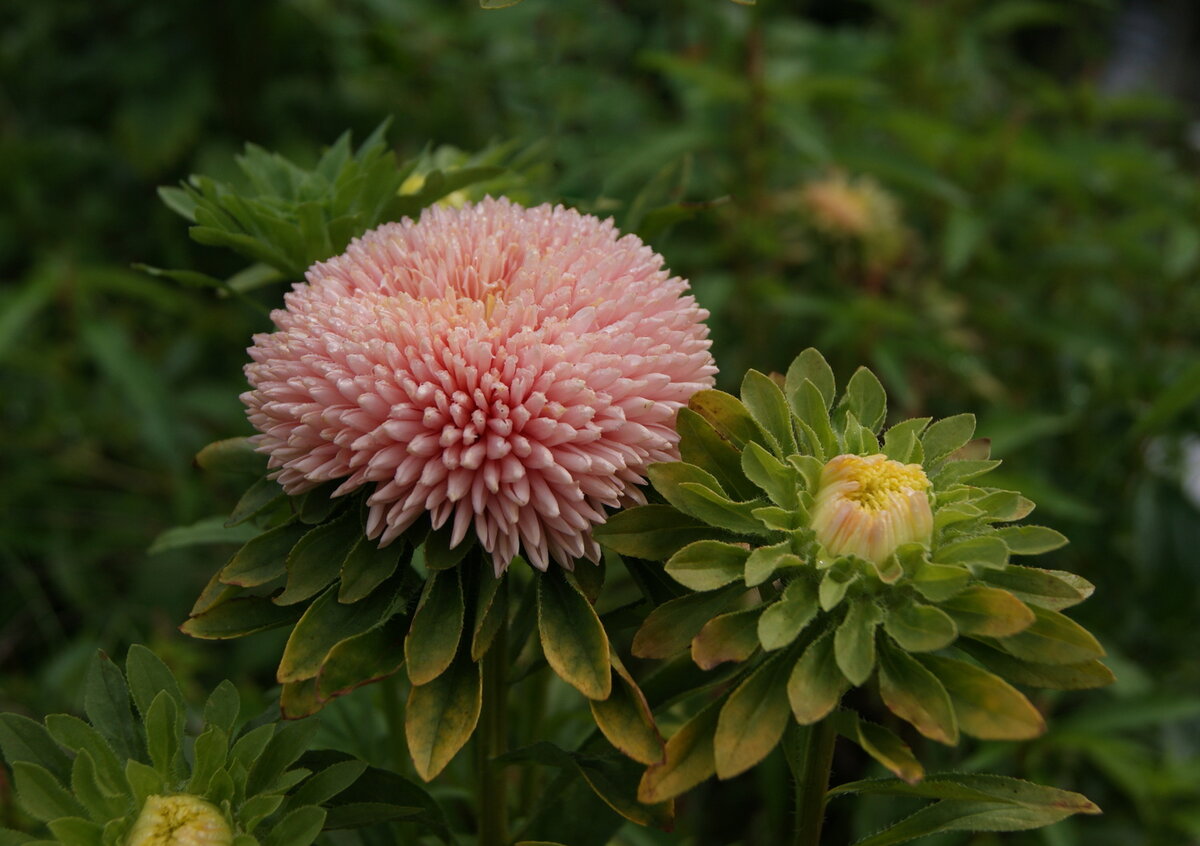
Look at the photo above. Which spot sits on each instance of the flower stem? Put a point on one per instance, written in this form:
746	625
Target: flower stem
492	741
811	761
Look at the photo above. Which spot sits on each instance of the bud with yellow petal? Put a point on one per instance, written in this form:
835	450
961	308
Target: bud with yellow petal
180	820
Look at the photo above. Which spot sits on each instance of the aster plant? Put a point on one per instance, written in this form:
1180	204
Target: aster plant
835	564
131	774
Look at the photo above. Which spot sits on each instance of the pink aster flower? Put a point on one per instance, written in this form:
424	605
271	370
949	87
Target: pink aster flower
506	370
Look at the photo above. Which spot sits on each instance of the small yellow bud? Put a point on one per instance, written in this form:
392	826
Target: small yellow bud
180	820
868	505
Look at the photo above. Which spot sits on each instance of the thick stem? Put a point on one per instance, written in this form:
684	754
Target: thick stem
812	760
491	741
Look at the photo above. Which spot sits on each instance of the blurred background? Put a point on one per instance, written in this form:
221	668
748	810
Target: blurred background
995	204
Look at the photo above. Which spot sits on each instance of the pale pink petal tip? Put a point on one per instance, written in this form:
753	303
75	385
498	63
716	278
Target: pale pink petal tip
508	371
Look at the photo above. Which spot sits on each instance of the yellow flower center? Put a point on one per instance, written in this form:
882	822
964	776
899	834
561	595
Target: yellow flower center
867	505
179	821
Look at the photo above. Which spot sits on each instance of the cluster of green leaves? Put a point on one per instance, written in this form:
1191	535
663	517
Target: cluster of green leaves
940	630
88	781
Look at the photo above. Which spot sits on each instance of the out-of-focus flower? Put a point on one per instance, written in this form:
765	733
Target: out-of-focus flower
858	209
870	505
503	369
180	820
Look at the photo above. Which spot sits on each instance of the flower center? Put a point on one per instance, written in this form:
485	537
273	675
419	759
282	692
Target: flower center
179	821
868	505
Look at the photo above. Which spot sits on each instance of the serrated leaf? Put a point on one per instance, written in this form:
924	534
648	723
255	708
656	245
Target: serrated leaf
782	621
810	365
914	694
986	611
954	472
1081	676
148	675
653	532
573	639
437	627
986	706
1005	506
866	399
210	752
816	684
947	435
106	702
726	637
780	482
164	730
753	719
23	739
316	559
1054	589
670	627
881	744
1053	639
982	550
75	734
41	795
689	758
223	706
919	628
625	718
707	564
769	408
1031	540
854	642
939	582
441	716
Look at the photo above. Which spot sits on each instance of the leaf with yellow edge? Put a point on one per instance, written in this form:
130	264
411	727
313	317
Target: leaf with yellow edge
881	744
689	759
816	684
625	718
1053	639
914	694
573	638
986	706
441	716
727	637
753	719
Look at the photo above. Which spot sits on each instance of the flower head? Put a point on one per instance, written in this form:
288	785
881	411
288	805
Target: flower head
868	505
180	820
505	370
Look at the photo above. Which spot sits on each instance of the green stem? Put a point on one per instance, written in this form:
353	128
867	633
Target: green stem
491	741
810	768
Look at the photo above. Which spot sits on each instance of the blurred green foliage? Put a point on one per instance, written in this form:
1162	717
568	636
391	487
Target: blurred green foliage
1034	256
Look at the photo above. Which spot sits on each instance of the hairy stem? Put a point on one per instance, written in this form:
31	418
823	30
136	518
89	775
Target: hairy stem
813	756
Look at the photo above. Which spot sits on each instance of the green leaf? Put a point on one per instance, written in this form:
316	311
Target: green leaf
854	642
441	716
947	435
708	564
918	627
264	558
106	702
954	472
164	732
1053	639
764	561
729	417
652	532
914	694
670	627
148	675
957	815
983	550
974	788
1054	589
753	719
986	706
900	442
689	759
769	408
210	530
813	412
881	744
373	655
324	625
625	718
810	365
283	750
573	639
986	611
491	611
437	627
75	734
835	582
939	582
866	399
699	444
22	739
1081	676
299	828
1031	540
316	559
726	637
438	553
781	482
237	617
328	782
223	706
714	509
816	684
257	498
101	802
211	751
74	831
366	567
782	621
41	795
236	456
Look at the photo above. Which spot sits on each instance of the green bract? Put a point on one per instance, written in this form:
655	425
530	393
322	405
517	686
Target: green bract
941	630
91	781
